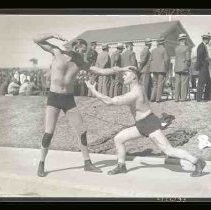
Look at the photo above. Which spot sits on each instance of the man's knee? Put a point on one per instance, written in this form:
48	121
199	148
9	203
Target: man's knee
46	140
169	151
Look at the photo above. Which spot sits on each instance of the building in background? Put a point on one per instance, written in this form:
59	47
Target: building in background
137	34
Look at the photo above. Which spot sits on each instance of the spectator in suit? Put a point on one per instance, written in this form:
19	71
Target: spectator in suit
103	61
159	66
145	67
181	68
116	80
91	58
202	65
128	58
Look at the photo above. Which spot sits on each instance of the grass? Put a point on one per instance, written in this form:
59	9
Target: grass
22	125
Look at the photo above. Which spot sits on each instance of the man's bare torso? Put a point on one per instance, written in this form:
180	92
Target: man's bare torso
140	106
63	74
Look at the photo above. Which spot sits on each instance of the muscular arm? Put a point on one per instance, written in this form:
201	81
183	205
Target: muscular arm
41	40
125	99
109	71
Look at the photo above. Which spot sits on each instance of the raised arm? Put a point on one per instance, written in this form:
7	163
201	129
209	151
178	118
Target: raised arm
125	99
109	71
41	40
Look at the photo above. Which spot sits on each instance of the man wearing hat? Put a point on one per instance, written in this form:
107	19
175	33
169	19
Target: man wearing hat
159	66
145	67
91	58
103	61
182	66
128	58
202	65
116	80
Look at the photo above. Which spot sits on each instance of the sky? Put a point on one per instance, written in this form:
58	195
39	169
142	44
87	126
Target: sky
18	31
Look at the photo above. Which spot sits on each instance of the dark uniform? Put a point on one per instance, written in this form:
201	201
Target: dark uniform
128	58
116	80
103	61
158	66
182	65
145	70
91	58
202	65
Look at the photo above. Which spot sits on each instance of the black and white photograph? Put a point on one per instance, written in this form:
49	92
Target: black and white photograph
105	106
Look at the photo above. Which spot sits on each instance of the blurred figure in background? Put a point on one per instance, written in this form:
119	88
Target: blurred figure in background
13	88
91	58
145	78
159	65
116	79
103	61
128	58
181	68
202	65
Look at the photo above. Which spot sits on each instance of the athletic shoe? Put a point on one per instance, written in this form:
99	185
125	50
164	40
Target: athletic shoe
90	167
199	166
121	168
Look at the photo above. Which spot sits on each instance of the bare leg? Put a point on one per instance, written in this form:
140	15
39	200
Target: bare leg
76	121
52	114
119	140
162	142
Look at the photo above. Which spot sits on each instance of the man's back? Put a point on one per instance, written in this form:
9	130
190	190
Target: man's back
103	60
128	58
182	58
159	60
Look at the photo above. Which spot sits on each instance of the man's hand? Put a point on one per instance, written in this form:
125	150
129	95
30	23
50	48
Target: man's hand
59	37
90	85
128	68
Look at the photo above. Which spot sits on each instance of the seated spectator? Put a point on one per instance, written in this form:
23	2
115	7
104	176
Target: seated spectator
4	86
22	78
32	89
13	88
23	88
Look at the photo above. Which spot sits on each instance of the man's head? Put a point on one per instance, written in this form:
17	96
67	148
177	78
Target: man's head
93	45
182	38
131	76
206	38
129	45
120	47
79	45
105	47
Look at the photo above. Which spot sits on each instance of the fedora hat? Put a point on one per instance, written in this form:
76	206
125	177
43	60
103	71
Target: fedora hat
148	41
206	36
161	40
120	46
105	46
182	36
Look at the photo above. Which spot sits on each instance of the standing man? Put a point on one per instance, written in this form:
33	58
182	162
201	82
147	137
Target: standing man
128	58
116	83
91	58
103	61
145	67
64	68
202	65
182	66
159	66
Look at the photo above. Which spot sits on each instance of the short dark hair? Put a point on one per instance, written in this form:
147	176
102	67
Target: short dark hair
79	42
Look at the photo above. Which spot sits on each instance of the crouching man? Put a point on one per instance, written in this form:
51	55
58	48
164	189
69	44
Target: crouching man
146	123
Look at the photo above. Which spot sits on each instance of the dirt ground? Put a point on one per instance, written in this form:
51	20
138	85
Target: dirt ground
22	125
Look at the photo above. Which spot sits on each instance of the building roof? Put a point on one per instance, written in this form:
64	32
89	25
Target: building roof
133	32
